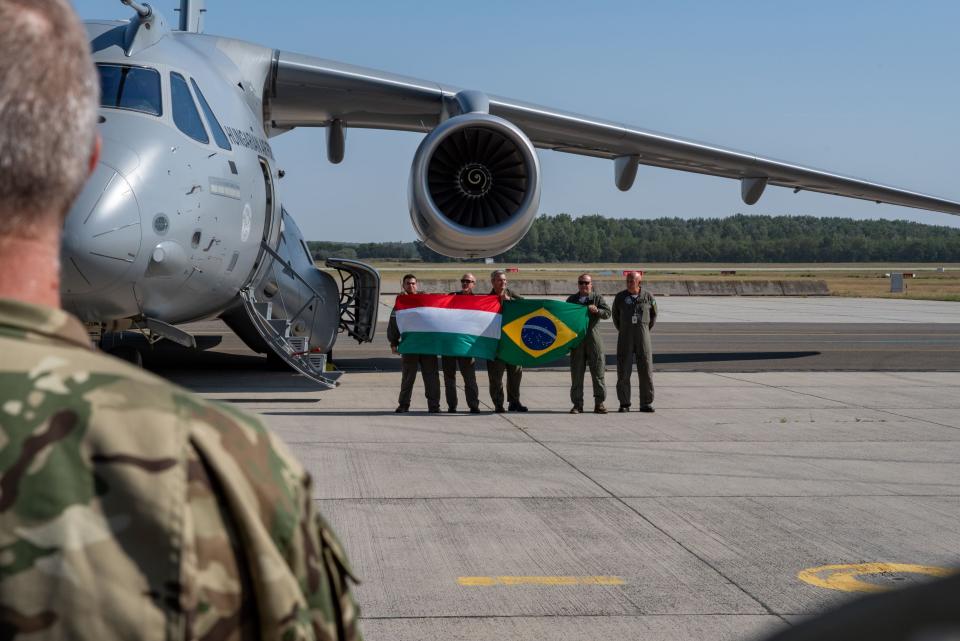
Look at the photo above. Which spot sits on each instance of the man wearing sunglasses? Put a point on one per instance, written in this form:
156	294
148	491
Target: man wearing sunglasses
590	350
467	368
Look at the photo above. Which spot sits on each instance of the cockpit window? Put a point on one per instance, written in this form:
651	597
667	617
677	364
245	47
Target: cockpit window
185	114
215	127
134	88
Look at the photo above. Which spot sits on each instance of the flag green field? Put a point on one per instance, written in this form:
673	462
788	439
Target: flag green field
539	331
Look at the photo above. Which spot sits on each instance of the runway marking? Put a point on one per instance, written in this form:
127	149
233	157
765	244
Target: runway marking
487	581
845	577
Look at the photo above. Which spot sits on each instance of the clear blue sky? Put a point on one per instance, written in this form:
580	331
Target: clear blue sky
866	88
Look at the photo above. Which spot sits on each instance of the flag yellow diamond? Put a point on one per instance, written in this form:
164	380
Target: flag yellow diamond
538	332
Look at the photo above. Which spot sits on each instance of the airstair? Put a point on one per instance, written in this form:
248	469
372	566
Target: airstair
280	337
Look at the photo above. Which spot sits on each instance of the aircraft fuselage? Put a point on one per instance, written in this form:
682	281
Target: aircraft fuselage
170	224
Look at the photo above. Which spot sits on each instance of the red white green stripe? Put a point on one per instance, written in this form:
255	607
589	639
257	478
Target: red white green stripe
448	324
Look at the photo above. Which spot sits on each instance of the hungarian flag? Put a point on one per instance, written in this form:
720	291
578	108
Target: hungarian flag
448	324
540	331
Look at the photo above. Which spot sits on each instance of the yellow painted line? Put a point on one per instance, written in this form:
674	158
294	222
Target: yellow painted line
846	577
486	581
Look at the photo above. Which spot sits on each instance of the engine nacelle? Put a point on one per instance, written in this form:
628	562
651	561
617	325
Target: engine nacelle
474	186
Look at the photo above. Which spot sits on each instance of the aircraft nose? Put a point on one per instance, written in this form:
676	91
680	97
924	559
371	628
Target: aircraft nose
101	235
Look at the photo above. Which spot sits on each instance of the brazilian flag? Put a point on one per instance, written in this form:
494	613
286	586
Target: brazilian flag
534	331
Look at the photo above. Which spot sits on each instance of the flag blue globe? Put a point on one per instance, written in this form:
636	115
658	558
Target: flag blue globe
538	333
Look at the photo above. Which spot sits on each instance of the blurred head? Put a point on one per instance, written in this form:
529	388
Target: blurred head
49	94
498	279
409	284
633	281
585	284
467	282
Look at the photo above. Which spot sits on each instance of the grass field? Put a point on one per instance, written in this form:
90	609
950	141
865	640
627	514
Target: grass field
861	280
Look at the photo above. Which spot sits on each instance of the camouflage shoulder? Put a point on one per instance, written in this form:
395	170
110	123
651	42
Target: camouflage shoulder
302	565
92	470
36	318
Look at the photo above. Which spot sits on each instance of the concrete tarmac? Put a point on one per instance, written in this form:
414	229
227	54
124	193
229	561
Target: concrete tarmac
690	523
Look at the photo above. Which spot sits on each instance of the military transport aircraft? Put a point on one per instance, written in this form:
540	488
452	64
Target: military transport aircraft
181	219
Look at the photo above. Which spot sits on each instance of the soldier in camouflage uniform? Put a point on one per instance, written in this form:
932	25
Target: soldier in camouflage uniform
129	508
634	315
590	350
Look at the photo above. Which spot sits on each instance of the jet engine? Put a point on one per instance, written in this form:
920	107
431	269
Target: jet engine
474	186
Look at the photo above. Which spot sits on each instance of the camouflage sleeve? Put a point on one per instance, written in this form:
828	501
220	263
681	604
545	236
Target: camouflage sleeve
296	570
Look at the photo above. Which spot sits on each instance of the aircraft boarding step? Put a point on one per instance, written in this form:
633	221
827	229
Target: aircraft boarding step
294	350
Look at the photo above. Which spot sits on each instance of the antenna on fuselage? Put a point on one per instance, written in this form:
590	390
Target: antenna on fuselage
191	15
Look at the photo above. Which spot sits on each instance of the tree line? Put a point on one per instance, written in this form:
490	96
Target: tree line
735	239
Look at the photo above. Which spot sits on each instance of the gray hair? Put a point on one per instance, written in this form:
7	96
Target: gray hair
497	272
49	93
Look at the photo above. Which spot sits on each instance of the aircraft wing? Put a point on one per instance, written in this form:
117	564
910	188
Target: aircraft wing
307	91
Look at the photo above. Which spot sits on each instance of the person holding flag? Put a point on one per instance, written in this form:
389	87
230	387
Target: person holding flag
634	315
450	364
496	367
501	327
535	332
590	351
427	363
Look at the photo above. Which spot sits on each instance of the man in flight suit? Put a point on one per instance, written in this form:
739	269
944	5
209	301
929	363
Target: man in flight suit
427	363
496	368
130	508
466	365
590	350
634	315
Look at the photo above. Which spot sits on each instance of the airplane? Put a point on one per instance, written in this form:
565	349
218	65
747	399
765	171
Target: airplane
181	219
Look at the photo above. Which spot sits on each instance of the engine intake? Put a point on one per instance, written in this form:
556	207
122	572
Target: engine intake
474	186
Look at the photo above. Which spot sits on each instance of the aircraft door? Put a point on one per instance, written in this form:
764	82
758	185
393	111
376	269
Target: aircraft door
271	222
